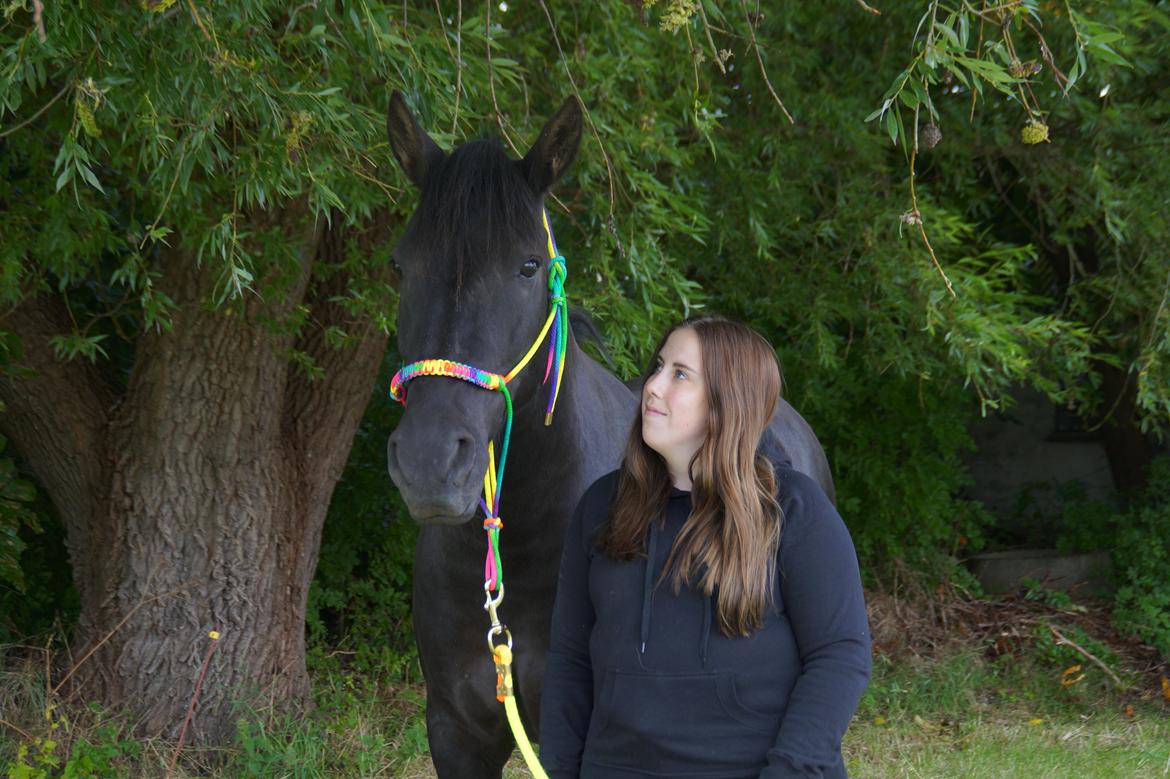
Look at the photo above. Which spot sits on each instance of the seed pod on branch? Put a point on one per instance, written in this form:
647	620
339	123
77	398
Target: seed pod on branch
930	136
1035	131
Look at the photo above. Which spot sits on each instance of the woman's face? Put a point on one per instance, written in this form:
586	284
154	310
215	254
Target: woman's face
674	402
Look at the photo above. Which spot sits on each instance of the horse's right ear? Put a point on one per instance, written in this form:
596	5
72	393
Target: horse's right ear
412	147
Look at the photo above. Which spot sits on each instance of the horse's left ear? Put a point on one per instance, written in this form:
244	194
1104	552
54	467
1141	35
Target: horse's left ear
554	150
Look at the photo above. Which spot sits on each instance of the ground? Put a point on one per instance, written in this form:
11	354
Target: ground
1033	685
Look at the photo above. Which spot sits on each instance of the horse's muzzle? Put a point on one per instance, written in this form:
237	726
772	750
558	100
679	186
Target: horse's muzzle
435	480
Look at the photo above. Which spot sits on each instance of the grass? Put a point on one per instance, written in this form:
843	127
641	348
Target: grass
963	715
1100	747
961	712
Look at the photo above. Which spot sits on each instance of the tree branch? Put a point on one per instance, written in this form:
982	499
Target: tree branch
57	413
323	413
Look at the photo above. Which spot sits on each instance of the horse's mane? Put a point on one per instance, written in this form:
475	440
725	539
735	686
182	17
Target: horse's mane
475	201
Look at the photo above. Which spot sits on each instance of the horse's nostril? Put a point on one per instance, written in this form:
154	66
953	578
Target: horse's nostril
392	466
463	459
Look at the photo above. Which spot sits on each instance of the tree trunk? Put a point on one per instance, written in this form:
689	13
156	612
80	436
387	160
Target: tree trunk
195	501
1128	449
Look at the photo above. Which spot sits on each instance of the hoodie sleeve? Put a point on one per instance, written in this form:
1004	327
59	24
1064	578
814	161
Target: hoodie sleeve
566	703
821	589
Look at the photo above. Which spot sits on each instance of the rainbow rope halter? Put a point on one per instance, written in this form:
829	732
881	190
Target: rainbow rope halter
493	478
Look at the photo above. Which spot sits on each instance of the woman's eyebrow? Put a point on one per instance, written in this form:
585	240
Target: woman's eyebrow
684	366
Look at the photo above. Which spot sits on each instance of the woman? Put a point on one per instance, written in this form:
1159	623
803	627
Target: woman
709	619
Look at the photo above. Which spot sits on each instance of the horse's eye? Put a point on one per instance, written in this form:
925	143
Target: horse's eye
530	268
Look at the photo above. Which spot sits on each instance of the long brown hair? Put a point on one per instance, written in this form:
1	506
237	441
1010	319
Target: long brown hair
728	544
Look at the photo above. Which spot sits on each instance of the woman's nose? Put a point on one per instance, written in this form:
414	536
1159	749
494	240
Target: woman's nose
652	385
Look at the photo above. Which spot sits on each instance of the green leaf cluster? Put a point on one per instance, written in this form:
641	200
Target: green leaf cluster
359	603
1141	562
16	498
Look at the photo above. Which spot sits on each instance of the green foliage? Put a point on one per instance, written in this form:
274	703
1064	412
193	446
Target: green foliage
904	689
36	585
35	761
102	753
898	486
49	601
1004	735
979	46
43	755
877	353
1037	591
359	603
965	684
1141	562
16	495
359	726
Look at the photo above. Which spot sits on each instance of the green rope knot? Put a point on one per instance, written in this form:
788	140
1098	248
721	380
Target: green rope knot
557	272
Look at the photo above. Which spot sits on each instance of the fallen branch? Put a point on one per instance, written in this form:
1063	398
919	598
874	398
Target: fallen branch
214	636
1062	639
21	731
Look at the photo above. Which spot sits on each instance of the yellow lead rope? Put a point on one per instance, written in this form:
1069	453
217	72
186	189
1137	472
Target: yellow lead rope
505	694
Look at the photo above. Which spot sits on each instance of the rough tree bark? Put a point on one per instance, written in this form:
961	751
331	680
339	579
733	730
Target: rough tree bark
193	496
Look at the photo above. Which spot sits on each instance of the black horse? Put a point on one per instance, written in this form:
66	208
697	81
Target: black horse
473	288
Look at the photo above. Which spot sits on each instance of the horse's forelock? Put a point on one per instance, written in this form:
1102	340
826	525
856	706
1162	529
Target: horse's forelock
475	201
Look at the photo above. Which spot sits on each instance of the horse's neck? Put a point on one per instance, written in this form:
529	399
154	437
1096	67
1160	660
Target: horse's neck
556	463
539	455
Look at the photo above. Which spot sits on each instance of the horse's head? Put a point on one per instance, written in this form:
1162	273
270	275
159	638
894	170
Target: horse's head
473	268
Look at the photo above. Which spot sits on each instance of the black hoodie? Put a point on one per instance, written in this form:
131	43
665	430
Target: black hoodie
639	683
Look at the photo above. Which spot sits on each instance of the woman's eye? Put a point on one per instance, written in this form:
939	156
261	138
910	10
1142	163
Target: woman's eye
680	374
529	269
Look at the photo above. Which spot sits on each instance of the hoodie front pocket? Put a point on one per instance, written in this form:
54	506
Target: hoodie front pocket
675	724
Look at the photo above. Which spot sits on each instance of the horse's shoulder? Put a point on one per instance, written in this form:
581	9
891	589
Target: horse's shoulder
804	506
792	484
600	495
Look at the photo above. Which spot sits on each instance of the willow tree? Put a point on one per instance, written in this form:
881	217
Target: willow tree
198	324
198	203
